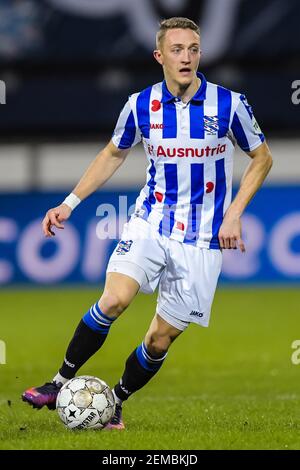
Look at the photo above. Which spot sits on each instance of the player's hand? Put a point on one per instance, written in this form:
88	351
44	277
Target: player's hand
54	218
230	233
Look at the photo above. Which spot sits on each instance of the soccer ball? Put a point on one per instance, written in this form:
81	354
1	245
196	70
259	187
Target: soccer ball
85	402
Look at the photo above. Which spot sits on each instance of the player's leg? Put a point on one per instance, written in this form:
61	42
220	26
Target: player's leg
144	362
94	327
186	292
138	260
89	336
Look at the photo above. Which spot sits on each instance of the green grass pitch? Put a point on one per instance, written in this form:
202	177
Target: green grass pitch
229	386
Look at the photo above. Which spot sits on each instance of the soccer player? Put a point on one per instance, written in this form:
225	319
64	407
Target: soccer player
183	217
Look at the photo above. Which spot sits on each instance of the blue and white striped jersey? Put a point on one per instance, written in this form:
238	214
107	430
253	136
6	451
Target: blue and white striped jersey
190	149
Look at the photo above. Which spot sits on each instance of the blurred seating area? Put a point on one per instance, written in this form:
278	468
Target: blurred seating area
72	63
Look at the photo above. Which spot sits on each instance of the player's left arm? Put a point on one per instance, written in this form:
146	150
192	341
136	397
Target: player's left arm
230	235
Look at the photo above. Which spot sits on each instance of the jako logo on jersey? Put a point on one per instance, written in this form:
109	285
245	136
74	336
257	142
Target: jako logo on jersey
155	105
211	124
189	152
124	246
194	313
156	126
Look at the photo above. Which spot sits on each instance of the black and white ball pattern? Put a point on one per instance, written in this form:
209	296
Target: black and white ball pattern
85	402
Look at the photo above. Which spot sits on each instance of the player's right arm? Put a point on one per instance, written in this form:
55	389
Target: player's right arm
100	170
126	135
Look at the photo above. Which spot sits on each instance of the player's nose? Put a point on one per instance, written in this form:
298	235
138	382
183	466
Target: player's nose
186	58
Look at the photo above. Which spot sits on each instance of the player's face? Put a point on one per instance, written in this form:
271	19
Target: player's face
180	55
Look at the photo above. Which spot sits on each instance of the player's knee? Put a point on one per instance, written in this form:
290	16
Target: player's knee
157	344
112	303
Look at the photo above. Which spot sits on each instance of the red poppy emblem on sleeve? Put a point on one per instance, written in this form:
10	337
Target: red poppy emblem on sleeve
155	105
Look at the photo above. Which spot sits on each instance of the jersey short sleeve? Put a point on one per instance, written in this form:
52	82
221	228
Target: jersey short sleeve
126	133
245	127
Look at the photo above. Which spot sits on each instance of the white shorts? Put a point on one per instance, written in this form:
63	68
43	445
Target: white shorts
187	275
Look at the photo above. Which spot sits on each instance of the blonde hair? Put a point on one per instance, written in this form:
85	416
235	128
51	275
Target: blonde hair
174	23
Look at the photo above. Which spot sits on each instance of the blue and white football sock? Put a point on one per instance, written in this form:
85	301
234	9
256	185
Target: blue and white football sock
88	338
140	367
97	321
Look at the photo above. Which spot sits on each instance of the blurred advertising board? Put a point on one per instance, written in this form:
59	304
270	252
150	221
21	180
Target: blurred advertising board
79	253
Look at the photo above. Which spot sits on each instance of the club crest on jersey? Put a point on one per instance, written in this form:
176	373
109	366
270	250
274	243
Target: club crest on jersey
124	246
211	125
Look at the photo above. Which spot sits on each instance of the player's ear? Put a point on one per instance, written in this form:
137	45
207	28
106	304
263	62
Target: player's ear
158	56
